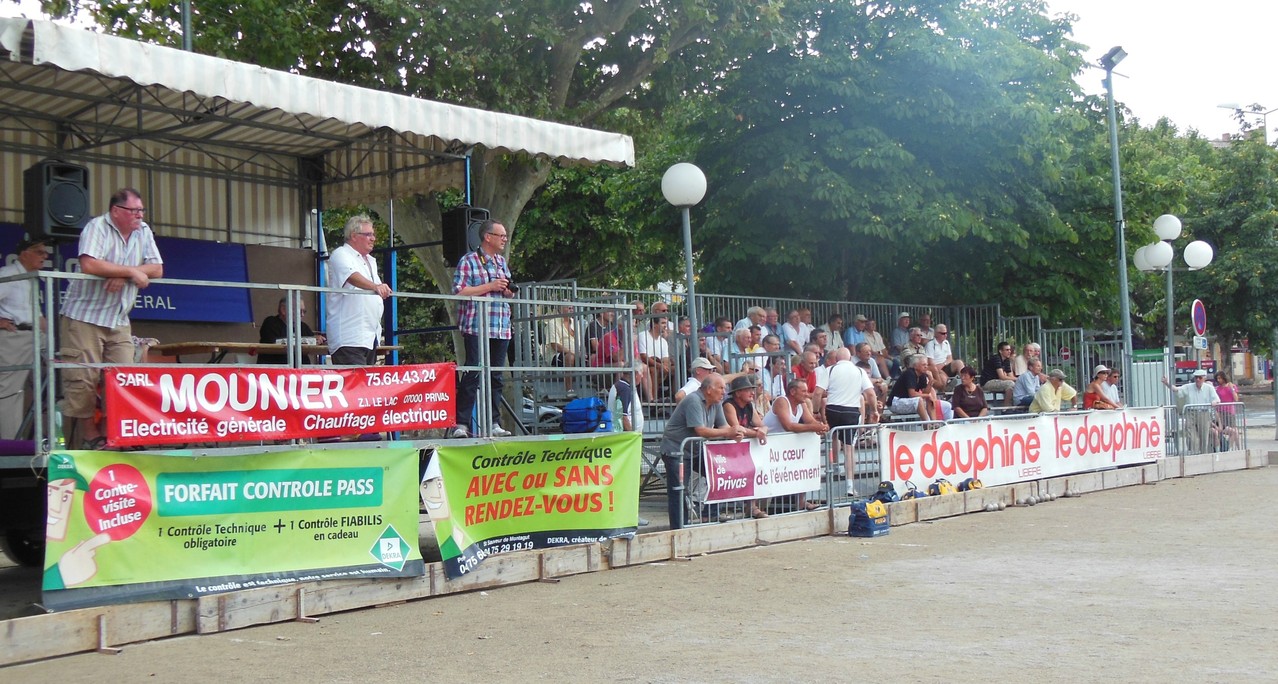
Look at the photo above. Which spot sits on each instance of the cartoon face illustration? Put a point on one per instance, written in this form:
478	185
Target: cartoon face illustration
61	495
435	499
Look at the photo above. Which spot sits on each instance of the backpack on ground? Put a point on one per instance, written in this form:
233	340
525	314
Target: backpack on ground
587	414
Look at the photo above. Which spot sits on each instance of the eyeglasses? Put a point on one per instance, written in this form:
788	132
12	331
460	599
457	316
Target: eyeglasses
499	235
367	235
136	211
942	332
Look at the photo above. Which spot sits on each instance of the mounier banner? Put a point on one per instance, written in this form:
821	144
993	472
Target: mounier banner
492	498
140	527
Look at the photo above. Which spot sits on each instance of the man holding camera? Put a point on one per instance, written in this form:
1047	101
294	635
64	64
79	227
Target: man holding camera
483	273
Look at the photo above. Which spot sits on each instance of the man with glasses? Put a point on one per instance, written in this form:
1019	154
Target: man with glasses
941	359
17	344
483	273
355	320
119	248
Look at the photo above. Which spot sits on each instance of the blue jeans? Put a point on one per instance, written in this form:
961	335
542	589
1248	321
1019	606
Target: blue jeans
468	386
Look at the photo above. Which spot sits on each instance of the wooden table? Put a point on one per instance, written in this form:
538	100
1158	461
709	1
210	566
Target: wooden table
217	351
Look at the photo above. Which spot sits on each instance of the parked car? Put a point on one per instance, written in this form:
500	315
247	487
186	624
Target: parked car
545	417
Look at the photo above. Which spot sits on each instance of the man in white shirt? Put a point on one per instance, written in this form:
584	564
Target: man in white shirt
355	320
848	394
940	360
654	353
17	344
1201	396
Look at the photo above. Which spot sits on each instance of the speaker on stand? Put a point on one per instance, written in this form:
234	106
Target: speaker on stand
461	231
56	200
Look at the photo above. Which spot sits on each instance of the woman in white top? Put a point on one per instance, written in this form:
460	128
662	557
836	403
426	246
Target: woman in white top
793	413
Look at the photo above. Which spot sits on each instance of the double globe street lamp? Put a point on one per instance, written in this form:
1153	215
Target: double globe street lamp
1158	257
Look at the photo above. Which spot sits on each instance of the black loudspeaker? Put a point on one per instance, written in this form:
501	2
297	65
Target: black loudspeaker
56	199
461	231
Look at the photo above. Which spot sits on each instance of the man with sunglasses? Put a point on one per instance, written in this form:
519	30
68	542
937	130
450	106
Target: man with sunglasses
941	359
119	248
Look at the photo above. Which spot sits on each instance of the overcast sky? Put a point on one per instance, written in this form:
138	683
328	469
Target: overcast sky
1185	57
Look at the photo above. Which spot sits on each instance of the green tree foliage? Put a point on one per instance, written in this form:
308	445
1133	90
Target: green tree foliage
903	152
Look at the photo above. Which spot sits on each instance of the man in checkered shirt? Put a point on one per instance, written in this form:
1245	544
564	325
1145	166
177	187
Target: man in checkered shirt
483	273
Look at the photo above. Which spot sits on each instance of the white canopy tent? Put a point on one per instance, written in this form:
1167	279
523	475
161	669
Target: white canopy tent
112	102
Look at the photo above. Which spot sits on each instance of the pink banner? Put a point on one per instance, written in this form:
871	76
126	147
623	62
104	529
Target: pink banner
790	463
149	406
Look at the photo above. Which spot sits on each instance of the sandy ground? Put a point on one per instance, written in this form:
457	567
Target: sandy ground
1160	583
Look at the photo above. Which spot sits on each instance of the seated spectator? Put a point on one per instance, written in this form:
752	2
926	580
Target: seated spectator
561	343
755	315
805	324
913	347
654	354
969	399
925	327
913	394
1021	361
941	359
834	331
599	328
771	322
1053	394
740	411
1094	396
770	349
821	338
805	369
741	351
1027	383
775	375
877	348
792	334
719	347
901	336
792	412
855	334
997	375
276	328
865	359
1111	388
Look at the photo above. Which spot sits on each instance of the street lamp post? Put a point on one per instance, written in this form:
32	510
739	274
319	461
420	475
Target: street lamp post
684	186
1159	256
1108	62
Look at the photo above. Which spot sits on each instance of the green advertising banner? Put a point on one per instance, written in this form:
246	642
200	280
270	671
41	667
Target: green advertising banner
130	526
512	495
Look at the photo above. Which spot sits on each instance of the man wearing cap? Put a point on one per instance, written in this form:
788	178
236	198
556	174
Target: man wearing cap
900	335
699	414
1197	420
855	334
701	369
738	408
17	344
1053	394
119	248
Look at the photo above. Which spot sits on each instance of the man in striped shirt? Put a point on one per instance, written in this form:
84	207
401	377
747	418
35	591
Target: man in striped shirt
119	248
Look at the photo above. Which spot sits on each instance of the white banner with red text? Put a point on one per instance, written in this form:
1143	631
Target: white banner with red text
790	463
150	406
1011	450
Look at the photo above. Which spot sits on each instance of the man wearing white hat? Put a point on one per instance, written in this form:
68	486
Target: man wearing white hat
1195	401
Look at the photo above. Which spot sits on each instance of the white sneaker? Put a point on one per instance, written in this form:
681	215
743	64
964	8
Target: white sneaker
499	431
851	491
460	432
